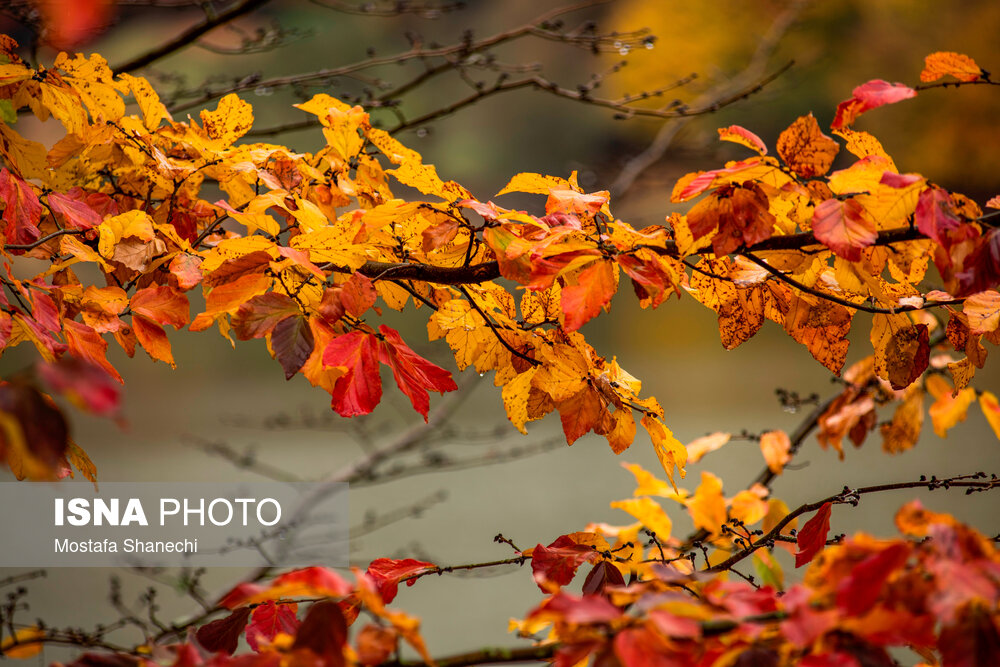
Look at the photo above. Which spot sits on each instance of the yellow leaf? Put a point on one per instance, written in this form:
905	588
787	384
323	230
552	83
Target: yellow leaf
650	485
903	431
131	223
24	643
863	144
424	178
231	120
991	410
669	449
947	410
152	109
708	506
535	184
649	513
515	399
948	63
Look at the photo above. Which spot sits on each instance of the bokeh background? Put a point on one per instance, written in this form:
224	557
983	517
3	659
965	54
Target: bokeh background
238	398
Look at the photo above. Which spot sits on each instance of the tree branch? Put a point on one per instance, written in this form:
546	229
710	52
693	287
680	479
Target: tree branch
189	36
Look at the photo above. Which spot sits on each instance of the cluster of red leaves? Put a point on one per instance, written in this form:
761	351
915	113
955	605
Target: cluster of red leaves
936	593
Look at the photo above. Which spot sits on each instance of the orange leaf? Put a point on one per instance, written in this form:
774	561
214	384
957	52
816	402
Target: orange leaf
153	339
707	506
983	311
775	446
649	512
24	643
593	291
805	149
947	410
696	449
991	410
669	450
949	63
162	304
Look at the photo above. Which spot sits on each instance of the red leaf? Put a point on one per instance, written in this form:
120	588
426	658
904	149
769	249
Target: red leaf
414	374
982	265
22	210
973	640
223	635
579	610
258	316
324	632
268	620
602	575
73	212
844	227
292	342
593	291
739	213
812	538
358	391
870	96
83	383
555	565
162	304
861	588
68	25
641	647
387	573
935	216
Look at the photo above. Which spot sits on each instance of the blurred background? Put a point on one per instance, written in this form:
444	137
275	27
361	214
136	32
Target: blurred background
235	401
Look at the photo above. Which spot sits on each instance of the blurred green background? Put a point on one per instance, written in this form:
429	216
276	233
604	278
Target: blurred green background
218	394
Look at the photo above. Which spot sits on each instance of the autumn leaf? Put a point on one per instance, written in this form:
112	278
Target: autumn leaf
947	409
991	410
414	375
982	311
360	389
268	620
223	635
775	447
375	644
738	214
323	632
948	63
870	96
23	644
555	566
22	210
812	538
387	573
707	506
805	149
72	211
292	342
744	137
669	450
231	120
699	447
257	317
591	292
844	227
649	512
